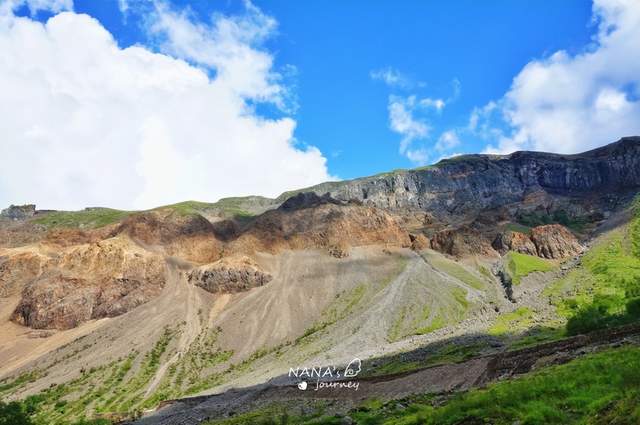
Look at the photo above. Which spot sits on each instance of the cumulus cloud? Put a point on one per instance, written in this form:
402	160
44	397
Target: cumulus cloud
402	120
85	122
571	103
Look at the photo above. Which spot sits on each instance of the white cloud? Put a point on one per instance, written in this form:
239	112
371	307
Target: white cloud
391	77
403	121
447	140
571	103
84	122
123	5
437	104
35	6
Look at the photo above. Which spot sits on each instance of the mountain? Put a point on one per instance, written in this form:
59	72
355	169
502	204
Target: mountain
107	314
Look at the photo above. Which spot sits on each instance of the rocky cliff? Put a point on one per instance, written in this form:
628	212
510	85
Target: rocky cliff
469	184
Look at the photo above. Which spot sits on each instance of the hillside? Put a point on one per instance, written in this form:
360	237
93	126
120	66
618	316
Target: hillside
106	314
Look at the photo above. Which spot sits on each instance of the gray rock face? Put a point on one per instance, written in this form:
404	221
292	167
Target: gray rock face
227	276
18	212
470	183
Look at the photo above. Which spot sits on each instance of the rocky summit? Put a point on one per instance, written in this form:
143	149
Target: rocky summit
110	314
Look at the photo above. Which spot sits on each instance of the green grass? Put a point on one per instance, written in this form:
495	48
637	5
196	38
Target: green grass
91	218
539	335
513	322
520	265
575	223
443	355
229	207
188	207
457	271
608	271
518	227
438	322
343	305
597	389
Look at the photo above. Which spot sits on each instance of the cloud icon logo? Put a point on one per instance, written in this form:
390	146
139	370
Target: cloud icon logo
353	368
302	385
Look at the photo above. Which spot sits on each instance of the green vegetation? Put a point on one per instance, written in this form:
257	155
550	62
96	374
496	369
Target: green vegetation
598	389
455	270
9	385
113	391
512	322
229	207
14	413
437	322
539	335
604	291
577	224
447	353
518	227
188	207
520	265
90	218
343	305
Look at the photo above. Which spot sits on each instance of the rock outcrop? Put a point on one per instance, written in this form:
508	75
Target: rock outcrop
468	184
61	302
321	226
18	212
460	242
419	242
514	241
235	274
84	282
555	241
552	241
188	236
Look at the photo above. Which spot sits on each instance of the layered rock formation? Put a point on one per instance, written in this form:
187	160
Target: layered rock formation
325	224
69	275
469	184
84	282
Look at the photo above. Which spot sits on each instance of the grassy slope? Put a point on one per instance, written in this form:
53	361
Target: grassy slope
90	218
609	272
520	265
93	218
602	388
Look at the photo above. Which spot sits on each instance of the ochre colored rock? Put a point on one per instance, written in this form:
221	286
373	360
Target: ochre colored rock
555	241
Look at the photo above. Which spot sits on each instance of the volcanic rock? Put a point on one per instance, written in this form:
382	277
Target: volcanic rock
460	242
235	274
514	241
555	241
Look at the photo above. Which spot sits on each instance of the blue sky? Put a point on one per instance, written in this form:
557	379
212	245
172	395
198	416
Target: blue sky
335	47
353	87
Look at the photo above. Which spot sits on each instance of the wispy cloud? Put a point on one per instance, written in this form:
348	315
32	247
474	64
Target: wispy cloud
391	77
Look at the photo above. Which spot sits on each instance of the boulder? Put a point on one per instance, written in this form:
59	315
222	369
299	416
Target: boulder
555	241
19	212
233	274
514	241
